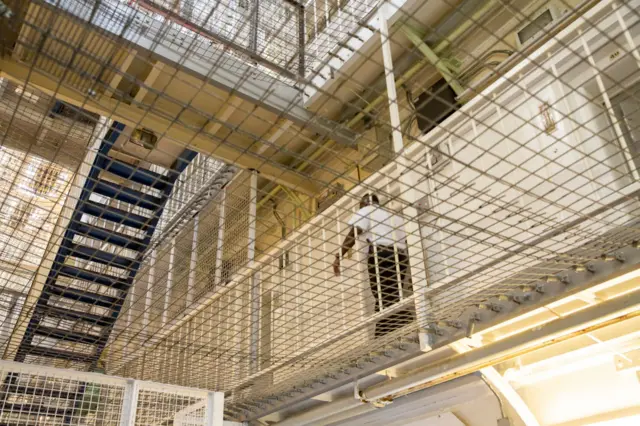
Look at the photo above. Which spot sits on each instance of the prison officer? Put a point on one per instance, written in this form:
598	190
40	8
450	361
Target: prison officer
387	260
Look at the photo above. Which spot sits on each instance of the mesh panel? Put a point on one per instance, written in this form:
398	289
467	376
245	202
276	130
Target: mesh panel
160	407
47	396
500	139
39	399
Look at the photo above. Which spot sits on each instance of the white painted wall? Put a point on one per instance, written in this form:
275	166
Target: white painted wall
516	182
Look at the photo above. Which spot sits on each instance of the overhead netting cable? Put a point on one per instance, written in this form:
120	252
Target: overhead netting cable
514	162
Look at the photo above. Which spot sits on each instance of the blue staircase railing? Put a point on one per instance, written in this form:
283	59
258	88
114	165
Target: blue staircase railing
149	209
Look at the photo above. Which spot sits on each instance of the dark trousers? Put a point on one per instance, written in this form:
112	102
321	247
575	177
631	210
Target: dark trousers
386	290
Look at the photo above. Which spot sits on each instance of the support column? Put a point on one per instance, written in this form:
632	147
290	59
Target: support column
255	278
148	297
406	188
193	262
220	244
215	409
130	404
167	294
132	293
253	29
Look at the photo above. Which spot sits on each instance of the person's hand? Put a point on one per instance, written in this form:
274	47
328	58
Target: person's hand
336	266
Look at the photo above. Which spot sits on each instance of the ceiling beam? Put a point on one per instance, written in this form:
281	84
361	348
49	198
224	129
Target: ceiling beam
189	135
229	107
122	70
442	67
275	134
148	82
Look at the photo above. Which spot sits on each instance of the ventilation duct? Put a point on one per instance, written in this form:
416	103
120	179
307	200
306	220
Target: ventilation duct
538	24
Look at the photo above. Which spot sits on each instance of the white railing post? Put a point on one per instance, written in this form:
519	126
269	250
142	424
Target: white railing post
130	403
193	262
255	279
343	306
170	273
407	191
253	194
215	409
220	247
151	277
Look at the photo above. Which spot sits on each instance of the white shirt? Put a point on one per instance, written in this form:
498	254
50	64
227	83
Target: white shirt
380	227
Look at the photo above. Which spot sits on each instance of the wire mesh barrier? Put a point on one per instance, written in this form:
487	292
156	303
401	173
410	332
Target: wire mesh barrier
47	396
179	271
443	162
196	175
261	32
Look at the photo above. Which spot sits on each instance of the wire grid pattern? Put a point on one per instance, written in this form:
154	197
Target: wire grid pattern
50	396
329	26
195	176
265	29
533	175
201	27
182	269
40	399
165	407
484	217
268	29
26	115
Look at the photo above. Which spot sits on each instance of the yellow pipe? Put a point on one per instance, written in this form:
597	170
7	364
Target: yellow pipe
294	197
327	145
438	48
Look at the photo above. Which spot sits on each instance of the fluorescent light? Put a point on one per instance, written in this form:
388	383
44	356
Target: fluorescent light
622	421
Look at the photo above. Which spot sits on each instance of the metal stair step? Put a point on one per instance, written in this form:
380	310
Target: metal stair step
84	296
128	195
56	353
94	277
150	208
111	237
71	315
67	335
136	174
115	215
97	255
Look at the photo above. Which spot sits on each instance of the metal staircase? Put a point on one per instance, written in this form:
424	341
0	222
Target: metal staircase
102	250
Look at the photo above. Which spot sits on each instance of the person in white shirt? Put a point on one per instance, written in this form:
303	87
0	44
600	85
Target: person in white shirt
387	258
